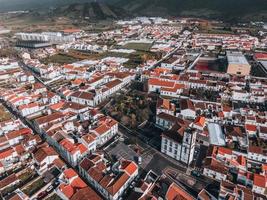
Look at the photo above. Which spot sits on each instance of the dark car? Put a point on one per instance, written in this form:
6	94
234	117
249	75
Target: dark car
195	173
41	195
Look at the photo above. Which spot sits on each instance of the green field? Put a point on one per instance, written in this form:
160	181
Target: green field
138	46
60	59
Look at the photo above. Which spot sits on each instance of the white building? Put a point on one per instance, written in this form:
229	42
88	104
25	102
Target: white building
179	143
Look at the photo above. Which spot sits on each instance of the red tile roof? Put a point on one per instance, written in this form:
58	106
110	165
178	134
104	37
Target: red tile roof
261	56
86	193
177	193
67	190
118	183
6	153
251	127
260	181
70	173
129	167
159	82
17	133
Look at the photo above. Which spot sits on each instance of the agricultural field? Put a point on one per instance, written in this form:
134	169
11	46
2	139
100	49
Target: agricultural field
60	59
138	46
4	114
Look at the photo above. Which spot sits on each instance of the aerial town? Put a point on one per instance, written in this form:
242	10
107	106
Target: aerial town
150	109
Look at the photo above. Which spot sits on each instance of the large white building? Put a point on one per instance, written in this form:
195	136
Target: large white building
52	37
179	143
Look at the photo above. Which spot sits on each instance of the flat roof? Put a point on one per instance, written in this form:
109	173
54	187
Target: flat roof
236	58
216	134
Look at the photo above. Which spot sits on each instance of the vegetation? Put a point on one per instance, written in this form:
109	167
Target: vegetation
27	176
139	57
203	94
9	189
60	59
131	109
34	187
138	46
4	115
227	9
53	197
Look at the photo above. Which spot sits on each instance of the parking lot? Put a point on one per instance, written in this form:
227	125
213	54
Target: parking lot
121	150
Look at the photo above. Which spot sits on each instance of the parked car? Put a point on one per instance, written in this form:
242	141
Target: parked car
50	188
195	173
41	195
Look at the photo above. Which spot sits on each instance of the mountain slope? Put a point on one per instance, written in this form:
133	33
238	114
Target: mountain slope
216	8
11	5
224	9
92	10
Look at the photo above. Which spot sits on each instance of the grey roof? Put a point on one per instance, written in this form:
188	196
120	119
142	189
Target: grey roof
236	58
216	134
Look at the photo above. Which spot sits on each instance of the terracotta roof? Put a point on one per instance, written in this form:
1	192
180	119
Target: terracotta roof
255	149
89	138
71	147
177	193
74	106
6	153
224	150
251	127
167	117
59	163
129	167
20	149
200	121
78	183
186	104
44	152
159	82
86	193
69	173
102	129
260	181
261	56
49	118
67	190
31	105
17	133
83	95
8	180
214	165
118	183
57	106
113	83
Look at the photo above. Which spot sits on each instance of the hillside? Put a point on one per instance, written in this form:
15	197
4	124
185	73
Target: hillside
226	9
11	5
92	10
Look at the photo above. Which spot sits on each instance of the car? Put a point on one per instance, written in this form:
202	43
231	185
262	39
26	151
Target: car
55	183
41	195
195	173
49	189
